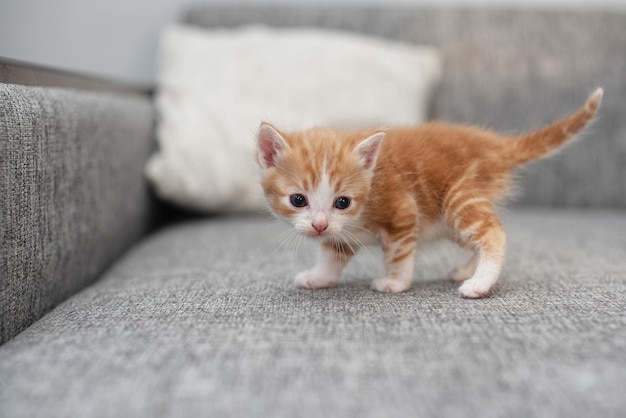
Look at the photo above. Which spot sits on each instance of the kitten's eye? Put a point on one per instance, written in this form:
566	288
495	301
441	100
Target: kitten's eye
342	202
297	200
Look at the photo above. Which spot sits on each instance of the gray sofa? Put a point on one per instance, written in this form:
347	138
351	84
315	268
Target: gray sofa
113	304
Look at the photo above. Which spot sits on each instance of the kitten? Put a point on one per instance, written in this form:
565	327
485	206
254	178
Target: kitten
400	186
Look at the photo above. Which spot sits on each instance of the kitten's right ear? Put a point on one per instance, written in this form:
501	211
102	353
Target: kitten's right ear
368	149
270	145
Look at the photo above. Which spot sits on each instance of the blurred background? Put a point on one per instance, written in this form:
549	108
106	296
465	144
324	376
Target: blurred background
117	39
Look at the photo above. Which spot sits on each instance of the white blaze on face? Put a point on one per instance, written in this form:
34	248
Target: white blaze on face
320	206
322	199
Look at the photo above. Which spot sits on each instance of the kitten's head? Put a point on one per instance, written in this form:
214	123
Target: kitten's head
319	179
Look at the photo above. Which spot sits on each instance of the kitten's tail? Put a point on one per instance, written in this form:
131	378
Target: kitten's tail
541	143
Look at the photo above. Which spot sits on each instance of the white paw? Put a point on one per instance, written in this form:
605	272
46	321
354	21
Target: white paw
460	274
311	279
474	289
391	285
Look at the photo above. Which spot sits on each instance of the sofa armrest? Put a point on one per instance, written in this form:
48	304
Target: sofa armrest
72	192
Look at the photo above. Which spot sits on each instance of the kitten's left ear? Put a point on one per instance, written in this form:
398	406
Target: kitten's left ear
270	145
368	150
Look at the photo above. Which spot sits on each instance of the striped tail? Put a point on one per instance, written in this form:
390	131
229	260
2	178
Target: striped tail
541	143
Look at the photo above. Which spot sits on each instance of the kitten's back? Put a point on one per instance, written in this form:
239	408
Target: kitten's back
437	160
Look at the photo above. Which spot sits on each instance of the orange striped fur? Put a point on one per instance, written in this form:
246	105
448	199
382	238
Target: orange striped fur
401	186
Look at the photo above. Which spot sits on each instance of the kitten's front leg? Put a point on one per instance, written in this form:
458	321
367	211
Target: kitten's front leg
399	254
332	258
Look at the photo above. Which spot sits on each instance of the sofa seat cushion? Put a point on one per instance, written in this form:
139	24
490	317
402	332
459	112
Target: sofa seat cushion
202	319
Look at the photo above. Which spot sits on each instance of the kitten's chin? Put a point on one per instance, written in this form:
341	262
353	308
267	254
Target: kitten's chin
315	234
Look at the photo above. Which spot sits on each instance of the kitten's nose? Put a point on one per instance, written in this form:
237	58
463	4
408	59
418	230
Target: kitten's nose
320	226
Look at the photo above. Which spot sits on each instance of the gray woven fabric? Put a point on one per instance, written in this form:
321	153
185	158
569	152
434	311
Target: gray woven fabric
511	71
73	197
202	319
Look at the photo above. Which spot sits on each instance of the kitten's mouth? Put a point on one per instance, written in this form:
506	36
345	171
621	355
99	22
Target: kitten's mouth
316	234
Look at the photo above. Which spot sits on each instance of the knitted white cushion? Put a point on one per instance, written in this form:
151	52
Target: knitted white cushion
216	86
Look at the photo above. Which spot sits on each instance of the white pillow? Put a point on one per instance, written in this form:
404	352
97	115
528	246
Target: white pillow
216	86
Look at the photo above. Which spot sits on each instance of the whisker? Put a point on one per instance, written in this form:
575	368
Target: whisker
286	238
299	240
359	244
355	252
360	227
288	244
282	235
356	238
336	244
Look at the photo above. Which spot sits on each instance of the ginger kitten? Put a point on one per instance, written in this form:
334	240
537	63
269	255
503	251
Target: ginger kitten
399	186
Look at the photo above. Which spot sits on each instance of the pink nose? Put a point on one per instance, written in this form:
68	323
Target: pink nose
320	227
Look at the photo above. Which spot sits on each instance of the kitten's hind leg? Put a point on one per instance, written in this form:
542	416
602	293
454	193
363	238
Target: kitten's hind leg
490	241
477	227
488	270
463	272
332	258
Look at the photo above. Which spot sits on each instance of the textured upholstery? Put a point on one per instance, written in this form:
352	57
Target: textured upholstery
511	71
73	197
202	319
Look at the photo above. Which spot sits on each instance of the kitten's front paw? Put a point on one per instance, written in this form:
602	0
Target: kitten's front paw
474	289
311	279
390	285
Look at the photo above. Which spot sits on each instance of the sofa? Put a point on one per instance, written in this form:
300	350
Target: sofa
113	303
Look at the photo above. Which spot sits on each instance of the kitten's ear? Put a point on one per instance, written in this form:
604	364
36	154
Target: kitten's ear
368	150
270	144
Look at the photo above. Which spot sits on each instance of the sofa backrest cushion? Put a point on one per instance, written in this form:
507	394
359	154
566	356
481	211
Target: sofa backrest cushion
512	71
